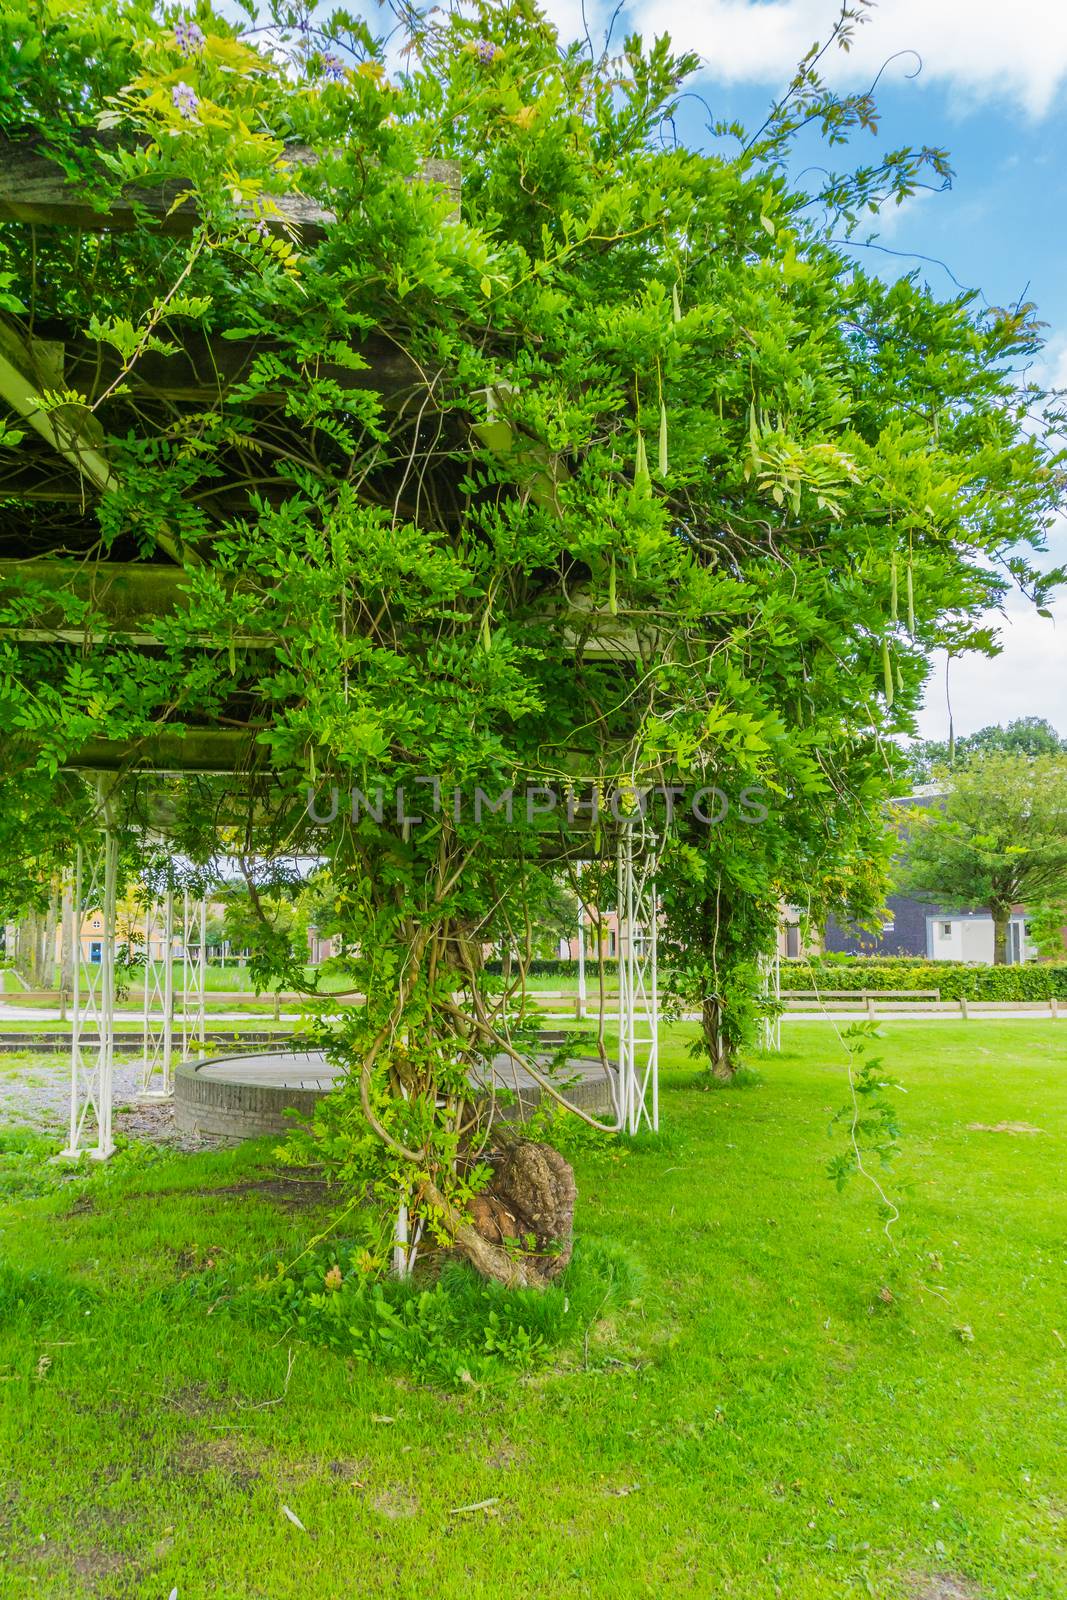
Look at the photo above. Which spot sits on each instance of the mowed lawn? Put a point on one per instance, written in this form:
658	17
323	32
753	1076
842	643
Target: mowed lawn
792	1406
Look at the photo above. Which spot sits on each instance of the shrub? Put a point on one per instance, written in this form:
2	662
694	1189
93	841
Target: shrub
455	1329
955	979
560	967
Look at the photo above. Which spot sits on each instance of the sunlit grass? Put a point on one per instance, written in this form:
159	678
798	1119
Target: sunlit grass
794	1405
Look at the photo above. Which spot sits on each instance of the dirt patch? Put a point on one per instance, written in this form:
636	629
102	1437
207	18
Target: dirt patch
194	1400
942	1586
394	1504
1003	1127
234	1458
92	1567
296	1194
347	1471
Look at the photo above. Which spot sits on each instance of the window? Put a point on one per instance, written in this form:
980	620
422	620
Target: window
946	930
889	925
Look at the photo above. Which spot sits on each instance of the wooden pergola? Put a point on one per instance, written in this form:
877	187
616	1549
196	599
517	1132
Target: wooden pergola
63	589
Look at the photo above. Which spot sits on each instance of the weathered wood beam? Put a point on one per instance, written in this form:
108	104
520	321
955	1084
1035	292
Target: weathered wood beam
28	369
188	751
205	368
35	188
129	597
132	596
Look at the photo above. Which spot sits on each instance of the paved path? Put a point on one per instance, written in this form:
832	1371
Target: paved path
36	1095
10	1013
919	1015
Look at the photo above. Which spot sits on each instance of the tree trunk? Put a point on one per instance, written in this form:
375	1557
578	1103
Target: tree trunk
68	945
26	952
1001	920
48	963
521	1229
721	1062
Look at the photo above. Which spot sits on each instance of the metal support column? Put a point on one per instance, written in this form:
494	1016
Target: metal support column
638	1056
771	1021
194	969
92	1036
158	1026
581	1006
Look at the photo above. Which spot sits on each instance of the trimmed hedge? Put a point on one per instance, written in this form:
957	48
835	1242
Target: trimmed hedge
558	967
956	979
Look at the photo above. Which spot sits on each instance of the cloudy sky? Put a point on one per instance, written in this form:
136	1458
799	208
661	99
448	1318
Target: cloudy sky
987	80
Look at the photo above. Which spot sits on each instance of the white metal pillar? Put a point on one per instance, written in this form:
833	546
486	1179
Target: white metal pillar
771	1022
581	1007
158	1024
638	1056
194	926
93	1002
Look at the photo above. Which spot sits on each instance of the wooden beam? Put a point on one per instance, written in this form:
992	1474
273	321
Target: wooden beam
205	368
29	368
35	188
188	751
131	597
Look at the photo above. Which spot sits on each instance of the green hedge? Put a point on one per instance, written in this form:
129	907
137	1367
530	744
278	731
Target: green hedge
558	967
956	979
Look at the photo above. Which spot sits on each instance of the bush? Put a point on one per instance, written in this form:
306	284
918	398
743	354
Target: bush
454	1329
560	967
956	979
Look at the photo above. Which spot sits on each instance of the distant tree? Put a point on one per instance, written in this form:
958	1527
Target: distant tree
1026	736
999	839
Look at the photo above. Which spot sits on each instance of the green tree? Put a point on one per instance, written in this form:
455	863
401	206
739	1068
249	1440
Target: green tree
997	840
620	475
1026	736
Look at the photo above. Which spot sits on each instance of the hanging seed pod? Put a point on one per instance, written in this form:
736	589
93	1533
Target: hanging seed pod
893	587
642	481
676	303
311	763
900	679
911	597
233	658
887	669
663	467
485	637
613	599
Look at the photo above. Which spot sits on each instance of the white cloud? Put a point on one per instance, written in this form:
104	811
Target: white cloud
890	215
1029	679
978	49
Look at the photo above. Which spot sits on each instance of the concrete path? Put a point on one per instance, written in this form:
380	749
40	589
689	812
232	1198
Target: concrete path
37	1097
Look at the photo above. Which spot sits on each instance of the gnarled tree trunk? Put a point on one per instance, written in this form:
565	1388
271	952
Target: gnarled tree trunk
529	1208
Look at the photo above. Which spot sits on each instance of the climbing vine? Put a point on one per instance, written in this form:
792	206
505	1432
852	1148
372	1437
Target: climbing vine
505	444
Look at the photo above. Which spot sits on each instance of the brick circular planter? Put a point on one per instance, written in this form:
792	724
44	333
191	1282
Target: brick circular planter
244	1096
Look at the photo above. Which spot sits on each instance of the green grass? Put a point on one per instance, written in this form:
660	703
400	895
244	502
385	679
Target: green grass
762	1422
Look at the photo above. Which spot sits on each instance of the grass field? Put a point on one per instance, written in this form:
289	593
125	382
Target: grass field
790	1405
